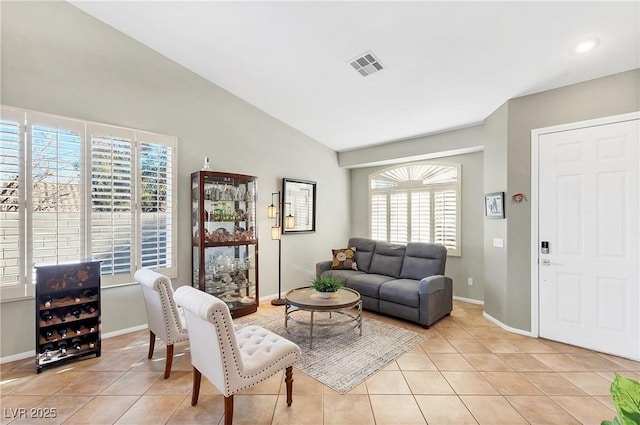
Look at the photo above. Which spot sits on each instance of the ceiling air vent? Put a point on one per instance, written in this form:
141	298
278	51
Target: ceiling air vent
366	64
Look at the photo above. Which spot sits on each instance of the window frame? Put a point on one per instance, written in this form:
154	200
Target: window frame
409	187
24	287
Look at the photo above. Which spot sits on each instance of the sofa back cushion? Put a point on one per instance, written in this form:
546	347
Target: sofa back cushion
423	259
364	252
387	259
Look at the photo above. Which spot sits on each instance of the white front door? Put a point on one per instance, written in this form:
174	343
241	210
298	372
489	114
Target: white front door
588	189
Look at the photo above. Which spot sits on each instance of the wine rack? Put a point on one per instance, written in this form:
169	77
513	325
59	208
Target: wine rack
67	312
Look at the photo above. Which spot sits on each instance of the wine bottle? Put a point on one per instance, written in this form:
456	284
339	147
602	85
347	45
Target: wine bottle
62	315
76	297
89	308
76	312
47	301
92	329
46	316
47	350
47	334
77	329
62	332
75	342
92	344
62	346
88	293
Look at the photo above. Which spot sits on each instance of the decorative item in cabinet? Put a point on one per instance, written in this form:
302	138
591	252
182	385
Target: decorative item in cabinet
225	239
67	312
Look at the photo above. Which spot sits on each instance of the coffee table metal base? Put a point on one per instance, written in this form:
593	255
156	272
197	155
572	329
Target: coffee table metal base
338	316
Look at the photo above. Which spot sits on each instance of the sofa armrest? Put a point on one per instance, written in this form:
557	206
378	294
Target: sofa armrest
434	283
322	267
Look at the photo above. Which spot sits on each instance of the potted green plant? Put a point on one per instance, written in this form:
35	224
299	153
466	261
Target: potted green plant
626	398
326	286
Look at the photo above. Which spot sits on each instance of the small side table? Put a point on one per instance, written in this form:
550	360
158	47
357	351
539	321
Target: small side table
306	299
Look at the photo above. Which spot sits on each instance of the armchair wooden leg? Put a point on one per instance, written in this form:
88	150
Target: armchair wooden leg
289	381
167	366
152	343
197	377
228	410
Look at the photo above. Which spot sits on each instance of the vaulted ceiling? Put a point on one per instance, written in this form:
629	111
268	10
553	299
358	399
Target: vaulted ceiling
446	64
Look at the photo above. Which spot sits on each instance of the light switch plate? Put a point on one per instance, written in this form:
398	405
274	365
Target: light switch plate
498	242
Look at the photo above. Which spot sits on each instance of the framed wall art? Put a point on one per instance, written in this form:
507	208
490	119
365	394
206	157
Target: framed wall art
494	205
299	200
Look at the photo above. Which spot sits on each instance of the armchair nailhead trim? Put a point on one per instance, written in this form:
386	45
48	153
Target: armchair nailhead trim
169	312
217	317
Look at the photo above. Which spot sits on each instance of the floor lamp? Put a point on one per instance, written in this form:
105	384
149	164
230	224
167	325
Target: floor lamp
273	211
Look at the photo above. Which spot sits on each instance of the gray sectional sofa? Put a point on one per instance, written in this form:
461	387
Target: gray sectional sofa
405	281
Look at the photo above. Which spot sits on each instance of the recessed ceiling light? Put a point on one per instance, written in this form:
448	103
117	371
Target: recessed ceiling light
586	46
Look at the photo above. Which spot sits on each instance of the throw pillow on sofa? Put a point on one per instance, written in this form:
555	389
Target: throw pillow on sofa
344	259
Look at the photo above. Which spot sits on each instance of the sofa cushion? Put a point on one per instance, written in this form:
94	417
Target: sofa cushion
364	252
422	260
387	259
344	259
341	275
367	284
401	291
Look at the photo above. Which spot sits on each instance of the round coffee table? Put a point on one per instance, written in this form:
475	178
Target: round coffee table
306	299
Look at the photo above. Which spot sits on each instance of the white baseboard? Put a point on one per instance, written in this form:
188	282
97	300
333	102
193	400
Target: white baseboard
507	328
124	331
32	353
269	297
468	300
19	356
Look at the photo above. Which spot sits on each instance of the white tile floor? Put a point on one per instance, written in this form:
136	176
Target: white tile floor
469	371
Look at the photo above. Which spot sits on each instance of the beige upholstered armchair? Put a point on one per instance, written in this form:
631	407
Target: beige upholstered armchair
163	317
232	360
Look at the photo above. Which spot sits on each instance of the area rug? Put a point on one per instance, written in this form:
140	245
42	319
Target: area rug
341	362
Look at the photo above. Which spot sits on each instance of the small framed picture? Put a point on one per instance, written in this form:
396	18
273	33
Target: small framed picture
494	205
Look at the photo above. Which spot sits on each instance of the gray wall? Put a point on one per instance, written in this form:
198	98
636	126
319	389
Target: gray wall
59	60
470	264
611	95
495	180
438	145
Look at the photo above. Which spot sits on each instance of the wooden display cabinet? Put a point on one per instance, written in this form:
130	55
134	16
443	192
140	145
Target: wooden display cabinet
67	312
225	238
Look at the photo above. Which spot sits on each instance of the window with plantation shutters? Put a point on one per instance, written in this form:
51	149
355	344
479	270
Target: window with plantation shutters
156	205
72	190
112	200
11	201
55	216
417	203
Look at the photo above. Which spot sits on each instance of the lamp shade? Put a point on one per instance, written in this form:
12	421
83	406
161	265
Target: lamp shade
275	232
289	222
272	210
